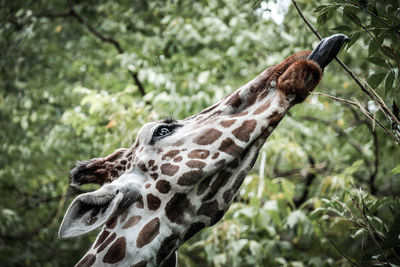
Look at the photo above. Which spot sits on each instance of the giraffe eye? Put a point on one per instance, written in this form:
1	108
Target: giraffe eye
163	131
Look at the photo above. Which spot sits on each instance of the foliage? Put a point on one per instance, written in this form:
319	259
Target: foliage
322	193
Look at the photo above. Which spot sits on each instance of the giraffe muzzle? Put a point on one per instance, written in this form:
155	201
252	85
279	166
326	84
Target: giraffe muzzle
328	49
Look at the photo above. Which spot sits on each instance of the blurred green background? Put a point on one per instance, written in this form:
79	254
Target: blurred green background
79	78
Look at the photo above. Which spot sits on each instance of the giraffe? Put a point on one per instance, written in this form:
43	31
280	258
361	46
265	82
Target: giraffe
181	176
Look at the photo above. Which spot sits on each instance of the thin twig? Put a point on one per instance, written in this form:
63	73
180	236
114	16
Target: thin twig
352	75
358	105
370	92
336	247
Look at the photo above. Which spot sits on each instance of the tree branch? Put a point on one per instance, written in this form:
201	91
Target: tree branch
392	119
72	13
352	75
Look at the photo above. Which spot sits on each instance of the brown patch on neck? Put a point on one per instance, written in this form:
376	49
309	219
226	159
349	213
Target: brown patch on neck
111	223
244	131
153	202
207	137
229	146
170	154
148	233
107	242
140	264
176	208
116	252
198	154
169	169
234	100
135	219
166	248
87	261
104	234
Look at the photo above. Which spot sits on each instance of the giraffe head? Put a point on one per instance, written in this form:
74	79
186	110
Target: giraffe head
181	175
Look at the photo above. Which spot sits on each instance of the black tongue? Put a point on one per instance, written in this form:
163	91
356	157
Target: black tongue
327	49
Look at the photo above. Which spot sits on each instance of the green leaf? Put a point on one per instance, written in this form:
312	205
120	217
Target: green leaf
342	28
396	169
349	12
389	81
377	61
353	38
375	79
372	47
322	18
392	238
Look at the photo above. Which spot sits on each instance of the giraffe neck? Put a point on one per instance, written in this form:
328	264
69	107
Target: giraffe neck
127	238
181	176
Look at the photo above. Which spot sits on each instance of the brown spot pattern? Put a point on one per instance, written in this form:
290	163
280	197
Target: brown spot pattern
228	195
193	229
147	185
154	176
218	183
199	154
166	248
139	203
216	155
210	209
204	185
107	242
111	223
153	202
88	260
101	238
148	233
274	118
154	168
116	251
176	208
229	146
170	154
244	113
190	178
195	164
140	264
220	163
142	166
207	137
178	159
234	100
135	219
227	123
238	181
163	186
244	131
169	169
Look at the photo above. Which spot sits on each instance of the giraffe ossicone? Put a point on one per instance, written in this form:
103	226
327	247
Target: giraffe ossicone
182	175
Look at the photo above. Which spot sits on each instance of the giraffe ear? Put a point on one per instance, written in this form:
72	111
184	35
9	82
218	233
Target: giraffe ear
91	210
